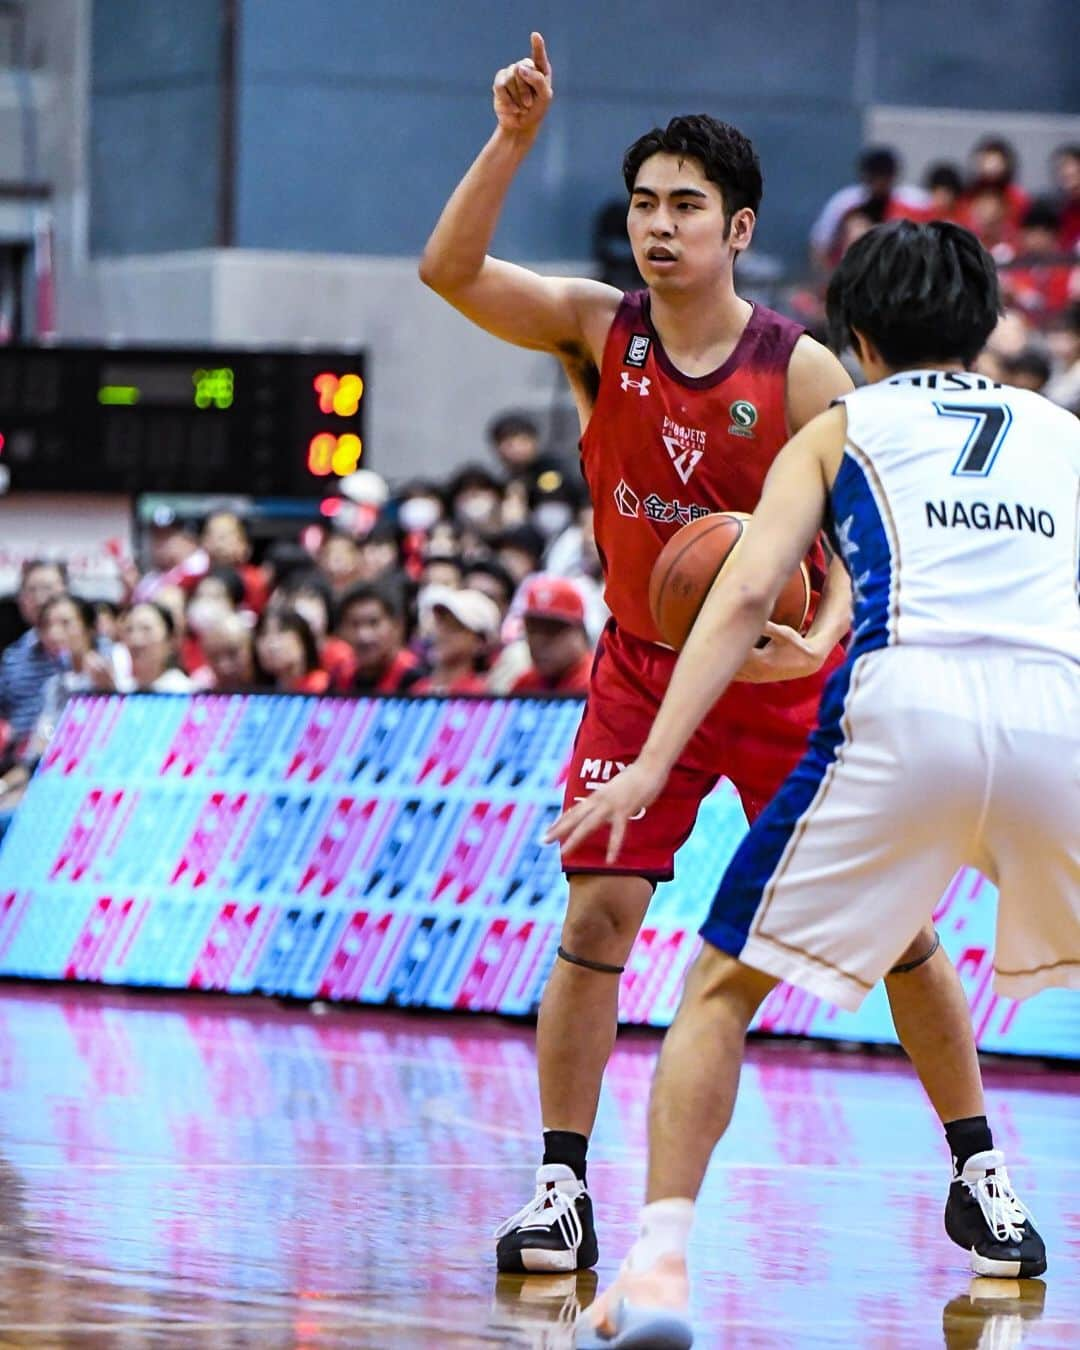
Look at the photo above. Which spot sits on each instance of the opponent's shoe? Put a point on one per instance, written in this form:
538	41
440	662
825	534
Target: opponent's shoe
643	1310
984	1216
554	1233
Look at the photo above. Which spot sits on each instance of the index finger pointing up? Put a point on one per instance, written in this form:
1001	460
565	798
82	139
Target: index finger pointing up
539	55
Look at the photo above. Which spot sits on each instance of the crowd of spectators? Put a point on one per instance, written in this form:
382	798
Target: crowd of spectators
1035	241
488	584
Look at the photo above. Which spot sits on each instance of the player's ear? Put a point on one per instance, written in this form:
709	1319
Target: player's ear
741	230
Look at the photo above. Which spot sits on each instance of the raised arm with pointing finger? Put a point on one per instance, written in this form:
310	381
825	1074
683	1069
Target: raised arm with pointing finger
566	316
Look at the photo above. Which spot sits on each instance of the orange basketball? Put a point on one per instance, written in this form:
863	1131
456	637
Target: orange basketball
688	566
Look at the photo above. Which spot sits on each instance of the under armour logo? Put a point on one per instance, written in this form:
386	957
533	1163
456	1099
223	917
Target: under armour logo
626	499
628	382
685	461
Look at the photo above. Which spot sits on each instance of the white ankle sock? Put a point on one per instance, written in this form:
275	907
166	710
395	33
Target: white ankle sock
665	1231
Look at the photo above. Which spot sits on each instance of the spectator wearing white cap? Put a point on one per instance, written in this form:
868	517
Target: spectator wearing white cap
464	626
554	613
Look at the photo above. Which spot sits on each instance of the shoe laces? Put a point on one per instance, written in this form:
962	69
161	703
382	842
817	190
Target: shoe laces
1005	1213
549	1208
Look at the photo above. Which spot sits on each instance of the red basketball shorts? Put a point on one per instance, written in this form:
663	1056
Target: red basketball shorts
755	735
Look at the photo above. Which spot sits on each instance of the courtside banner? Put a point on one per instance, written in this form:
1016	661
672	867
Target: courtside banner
382	851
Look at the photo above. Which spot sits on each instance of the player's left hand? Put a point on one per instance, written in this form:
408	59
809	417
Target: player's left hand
615	803
788	656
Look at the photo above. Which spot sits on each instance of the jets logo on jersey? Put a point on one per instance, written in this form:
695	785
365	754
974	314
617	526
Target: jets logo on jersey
637	350
628	383
743	418
685	447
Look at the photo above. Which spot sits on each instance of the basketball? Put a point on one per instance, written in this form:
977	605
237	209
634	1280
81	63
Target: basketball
690	563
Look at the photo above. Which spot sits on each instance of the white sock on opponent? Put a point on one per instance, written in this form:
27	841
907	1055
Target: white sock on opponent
665	1231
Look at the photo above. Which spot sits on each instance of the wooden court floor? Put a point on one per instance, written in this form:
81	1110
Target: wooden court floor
208	1172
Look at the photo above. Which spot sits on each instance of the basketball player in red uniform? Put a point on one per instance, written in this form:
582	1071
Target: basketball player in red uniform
686	393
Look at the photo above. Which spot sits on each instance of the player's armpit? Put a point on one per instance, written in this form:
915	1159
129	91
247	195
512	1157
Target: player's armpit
568	316
814	379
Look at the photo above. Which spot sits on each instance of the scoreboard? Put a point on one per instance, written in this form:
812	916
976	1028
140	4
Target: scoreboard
163	419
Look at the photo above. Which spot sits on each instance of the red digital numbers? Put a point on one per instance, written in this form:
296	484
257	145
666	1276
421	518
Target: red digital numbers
329	454
339	395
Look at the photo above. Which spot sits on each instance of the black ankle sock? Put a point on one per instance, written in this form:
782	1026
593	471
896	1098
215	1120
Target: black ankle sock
568	1148
966	1137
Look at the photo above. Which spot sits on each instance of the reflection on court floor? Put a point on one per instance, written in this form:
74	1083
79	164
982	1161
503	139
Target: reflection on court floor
208	1172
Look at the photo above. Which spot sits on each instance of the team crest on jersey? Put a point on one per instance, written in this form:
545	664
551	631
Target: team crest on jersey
685	447
637	351
743	419
627	500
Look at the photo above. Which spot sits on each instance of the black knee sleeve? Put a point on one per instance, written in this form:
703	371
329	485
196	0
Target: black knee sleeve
600	966
905	966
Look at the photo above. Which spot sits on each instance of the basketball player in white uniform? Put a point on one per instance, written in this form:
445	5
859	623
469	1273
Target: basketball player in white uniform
950	737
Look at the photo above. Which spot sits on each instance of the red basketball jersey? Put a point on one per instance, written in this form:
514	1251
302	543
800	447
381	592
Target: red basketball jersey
663	448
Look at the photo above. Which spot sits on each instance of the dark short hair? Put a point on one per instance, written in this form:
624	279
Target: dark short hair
1042	214
388	598
165	615
1028	361
35	564
292	622
231	579
1070	150
997	145
84	608
878	161
920	293
472	476
944	175
726	156
511	424
491	567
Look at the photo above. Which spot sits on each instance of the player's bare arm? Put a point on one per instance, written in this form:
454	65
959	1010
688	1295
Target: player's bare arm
785	524
567	316
815	379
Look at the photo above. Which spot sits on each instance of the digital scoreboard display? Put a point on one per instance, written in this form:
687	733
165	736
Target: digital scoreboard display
157	419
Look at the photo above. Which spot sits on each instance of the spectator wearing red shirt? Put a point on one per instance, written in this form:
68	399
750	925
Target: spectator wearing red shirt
993	167
1040	284
308	593
464	626
554	615
287	655
1066	162
225	541
371	620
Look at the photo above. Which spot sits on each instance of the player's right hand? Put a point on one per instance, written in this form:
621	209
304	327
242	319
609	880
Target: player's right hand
522	92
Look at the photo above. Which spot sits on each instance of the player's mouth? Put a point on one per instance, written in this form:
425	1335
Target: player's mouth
660	255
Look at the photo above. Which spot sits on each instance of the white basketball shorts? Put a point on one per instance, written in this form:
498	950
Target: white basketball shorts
925	760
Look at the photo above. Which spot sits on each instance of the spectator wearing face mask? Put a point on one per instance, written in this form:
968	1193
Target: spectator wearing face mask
464	628
419	509
371	619
475	499
553	503
515	440
559	646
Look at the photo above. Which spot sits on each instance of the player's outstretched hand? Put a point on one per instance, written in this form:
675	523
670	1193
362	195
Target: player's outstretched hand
522	92
789	656
622	799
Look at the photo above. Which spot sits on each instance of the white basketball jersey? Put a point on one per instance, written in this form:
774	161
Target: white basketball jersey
957	511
